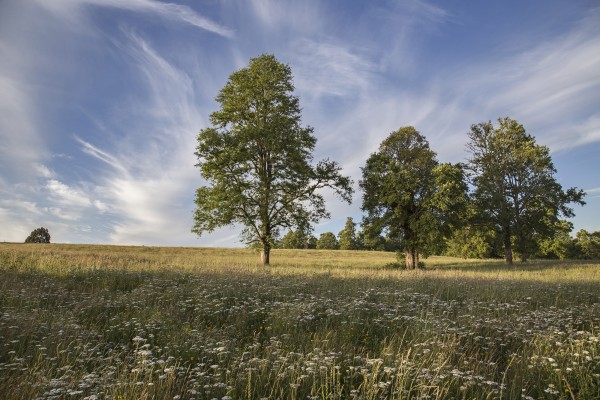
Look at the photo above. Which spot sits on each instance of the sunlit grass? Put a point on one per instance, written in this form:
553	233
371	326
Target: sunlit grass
110	322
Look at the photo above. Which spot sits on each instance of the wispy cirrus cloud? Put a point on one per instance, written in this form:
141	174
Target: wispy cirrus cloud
171	11
301	16
152	163
101	155
323	68
66	195
142	190
545	85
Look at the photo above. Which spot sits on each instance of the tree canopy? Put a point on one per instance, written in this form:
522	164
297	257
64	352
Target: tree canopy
298	240
409	195
256	159
327	241
516	193
348	239
39	235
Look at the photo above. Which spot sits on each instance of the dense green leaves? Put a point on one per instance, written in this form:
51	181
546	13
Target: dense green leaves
516	193
256	159
410	196
348	238
298	240
327	241
39	235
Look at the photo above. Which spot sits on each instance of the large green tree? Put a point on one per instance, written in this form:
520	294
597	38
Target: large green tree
516	192
410	196
256	160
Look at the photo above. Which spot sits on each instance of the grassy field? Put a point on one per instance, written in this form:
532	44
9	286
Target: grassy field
108	322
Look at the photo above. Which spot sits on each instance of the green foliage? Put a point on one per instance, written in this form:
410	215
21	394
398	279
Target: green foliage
298	240
558	246
516	193
348	238
588	244
256	159
327	241
39	235
473	242
409	196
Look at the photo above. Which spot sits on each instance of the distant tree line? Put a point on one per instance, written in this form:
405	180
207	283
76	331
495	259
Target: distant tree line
257	164
467	242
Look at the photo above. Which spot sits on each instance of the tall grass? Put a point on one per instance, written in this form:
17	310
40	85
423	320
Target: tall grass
108	322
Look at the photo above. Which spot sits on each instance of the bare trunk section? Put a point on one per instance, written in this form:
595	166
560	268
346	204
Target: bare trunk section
523	246
265	254
412	258
508	255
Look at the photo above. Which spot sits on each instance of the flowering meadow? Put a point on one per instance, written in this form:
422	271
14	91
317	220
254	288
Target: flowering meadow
108	322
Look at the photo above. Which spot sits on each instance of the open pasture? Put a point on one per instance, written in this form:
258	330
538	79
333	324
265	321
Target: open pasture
108	322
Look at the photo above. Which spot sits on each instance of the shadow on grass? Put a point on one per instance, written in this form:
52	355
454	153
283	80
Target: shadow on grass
500	265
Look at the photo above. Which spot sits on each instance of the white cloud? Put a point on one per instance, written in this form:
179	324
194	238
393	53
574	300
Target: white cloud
150	185
546	86
44	171
69	215
71	9
301	16
29	207
324	68
93	151
101	206
64	194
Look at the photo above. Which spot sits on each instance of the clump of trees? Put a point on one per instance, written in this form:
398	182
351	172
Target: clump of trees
39	235
586	245
297	240
327	241
257	164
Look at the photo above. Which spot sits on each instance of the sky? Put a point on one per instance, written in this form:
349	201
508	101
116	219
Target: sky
101	101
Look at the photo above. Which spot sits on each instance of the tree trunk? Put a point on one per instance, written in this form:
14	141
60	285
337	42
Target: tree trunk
508	255
412	258
265	254
523	245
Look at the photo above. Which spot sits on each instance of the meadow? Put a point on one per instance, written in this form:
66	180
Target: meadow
109	322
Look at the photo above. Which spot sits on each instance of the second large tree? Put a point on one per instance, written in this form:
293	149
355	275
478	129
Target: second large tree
409	196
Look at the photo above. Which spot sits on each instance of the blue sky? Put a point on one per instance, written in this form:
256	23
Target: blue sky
101	101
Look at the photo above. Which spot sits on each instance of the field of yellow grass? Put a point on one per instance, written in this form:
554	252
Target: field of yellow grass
118	322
